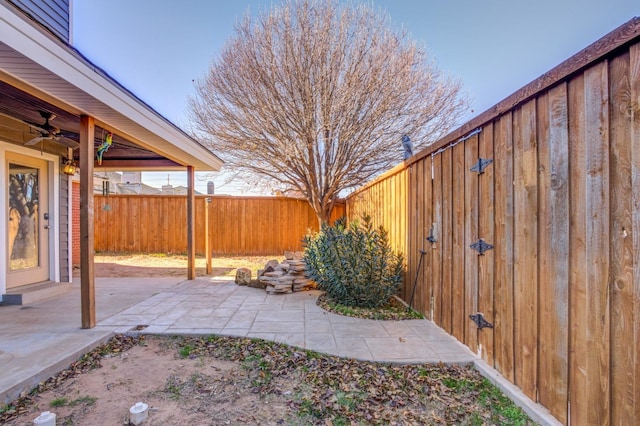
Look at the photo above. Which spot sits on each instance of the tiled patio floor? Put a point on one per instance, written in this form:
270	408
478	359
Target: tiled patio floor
222	307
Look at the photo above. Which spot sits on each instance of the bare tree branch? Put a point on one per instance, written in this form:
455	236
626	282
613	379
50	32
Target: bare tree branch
316	95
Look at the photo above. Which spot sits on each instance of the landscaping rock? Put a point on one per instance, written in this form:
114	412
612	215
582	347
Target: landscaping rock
257	284
270	266
286	277
243	276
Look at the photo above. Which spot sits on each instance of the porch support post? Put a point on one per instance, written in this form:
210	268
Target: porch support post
191	221
87	276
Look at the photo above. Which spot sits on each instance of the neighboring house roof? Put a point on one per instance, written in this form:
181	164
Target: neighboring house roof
177	190
135	189
33	60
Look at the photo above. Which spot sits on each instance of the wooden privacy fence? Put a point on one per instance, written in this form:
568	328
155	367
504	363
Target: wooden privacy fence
237	225
550	179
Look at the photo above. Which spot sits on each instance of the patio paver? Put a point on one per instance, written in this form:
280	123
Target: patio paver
294	319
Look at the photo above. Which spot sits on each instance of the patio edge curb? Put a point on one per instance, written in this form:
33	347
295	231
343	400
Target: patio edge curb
535	411
9	395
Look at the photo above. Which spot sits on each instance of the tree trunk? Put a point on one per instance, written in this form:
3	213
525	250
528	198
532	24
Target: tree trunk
322	211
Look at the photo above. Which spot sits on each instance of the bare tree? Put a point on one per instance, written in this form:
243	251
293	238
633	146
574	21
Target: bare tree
316	95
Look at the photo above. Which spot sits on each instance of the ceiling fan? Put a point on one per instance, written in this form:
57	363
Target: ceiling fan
52	133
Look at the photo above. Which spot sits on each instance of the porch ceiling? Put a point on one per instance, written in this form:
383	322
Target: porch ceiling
41	73
22	107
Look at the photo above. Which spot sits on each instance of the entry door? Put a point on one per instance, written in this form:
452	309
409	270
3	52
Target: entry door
27	220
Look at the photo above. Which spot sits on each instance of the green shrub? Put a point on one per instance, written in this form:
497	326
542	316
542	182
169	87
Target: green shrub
354	263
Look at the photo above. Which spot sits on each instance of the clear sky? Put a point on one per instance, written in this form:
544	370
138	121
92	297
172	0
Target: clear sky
156	48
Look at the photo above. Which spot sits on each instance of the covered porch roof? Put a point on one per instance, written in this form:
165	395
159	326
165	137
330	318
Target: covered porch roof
39	72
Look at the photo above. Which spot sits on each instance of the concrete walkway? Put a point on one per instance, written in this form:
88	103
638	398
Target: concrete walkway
40	339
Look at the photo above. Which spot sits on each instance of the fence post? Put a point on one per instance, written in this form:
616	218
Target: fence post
207	249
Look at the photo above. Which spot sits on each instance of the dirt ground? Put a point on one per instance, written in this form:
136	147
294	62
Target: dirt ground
178	392
159	265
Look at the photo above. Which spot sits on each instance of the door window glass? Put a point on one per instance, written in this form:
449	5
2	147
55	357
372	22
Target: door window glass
23	235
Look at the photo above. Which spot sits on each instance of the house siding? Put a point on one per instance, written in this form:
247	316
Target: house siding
75	212
63	215
53	14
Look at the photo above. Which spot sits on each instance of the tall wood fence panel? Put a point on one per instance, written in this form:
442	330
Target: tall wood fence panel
237	225
533	209
386	203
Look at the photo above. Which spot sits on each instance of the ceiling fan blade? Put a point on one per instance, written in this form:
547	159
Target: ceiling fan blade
69	143
69	135
37	140
35	126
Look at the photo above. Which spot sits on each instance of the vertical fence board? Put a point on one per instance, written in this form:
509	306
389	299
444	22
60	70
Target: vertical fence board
525	271
146	232
404	205
130	224
122	240
214	225
152	231
426	272
459	248
578	263
418	245
279	235
597	210
135	218
554	251
414	243
390	211
632	398
98	222
504	298
421	301
231	228
436	248
622	353
546	306
410	256
165	224
470	236
486	232
447	241
176	229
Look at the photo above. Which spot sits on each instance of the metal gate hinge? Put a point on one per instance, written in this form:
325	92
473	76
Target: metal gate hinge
481	165
481	246
432	238
479	320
